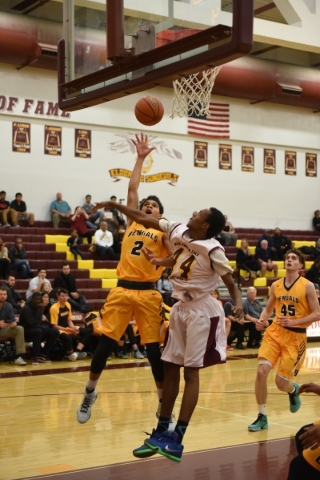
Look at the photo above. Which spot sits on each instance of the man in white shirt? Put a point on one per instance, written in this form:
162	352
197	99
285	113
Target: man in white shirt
36	283
103	239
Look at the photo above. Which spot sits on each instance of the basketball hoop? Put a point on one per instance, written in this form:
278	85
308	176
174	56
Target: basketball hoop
192	94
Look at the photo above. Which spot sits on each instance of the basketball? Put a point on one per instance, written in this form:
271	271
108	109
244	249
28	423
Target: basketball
149	110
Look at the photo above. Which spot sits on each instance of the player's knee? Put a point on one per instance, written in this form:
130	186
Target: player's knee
282	383
190	375
154	357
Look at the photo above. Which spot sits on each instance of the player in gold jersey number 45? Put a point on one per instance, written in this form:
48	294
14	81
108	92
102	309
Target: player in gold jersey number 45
296	307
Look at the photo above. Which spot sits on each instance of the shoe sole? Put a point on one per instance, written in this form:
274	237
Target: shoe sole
161	452
143	452
257	429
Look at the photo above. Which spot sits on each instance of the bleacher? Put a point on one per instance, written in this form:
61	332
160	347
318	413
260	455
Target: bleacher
47	248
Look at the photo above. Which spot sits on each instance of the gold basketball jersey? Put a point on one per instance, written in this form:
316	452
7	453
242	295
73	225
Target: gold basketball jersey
292	302
133	265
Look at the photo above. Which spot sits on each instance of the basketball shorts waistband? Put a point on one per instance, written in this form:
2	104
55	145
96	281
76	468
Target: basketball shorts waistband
296	330
136	285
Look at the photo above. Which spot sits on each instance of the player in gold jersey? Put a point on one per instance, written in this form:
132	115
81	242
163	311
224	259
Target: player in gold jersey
296	307
136	295
306	465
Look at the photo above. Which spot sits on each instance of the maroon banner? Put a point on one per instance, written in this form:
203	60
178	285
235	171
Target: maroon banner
201	154
269	160
21	137
225	157
52	140
247	159
82	143
290	163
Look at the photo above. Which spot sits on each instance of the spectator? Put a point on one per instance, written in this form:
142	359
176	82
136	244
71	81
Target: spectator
18	211
45	306
111	220
237	326
10	329
36	283
60	211
228	234
281	243
252	311
13	297
68	282
34	331
78	221
17	255
313	274
216	294
61	320
245	259
103	239
46	288
4	209
267	236
315	220
306	464
165	287
118	215
73	243
5	266
93	217
264	257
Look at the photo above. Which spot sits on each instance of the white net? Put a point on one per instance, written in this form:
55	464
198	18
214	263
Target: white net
192	94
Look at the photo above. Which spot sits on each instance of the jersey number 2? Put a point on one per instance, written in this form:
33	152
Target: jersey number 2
137	248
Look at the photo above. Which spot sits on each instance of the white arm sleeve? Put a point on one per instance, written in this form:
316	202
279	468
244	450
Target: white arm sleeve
220	262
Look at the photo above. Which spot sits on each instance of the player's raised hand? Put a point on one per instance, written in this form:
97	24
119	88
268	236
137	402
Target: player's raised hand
311	437
142	147
102	205
309	388
148	253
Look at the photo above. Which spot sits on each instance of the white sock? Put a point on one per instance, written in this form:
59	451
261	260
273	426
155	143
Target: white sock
159	392
91	384
262	409
294	389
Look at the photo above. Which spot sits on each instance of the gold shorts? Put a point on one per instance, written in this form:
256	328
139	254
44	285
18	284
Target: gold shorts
289	347
122	306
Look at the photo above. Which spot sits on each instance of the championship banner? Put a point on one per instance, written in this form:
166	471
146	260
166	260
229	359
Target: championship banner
21	138
201	154
269	160
247	159
290	163
225	157
311	164
82	143
172	178
52	140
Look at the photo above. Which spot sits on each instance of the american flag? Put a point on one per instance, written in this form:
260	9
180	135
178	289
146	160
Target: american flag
215	125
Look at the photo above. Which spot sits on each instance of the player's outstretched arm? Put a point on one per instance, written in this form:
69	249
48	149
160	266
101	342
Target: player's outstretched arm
267	311
162	262
309	388
143	150
132	213
311	437
235	294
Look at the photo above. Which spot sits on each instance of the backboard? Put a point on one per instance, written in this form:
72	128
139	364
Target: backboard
113	48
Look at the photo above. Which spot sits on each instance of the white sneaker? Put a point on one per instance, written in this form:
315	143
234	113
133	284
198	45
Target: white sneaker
81	355
19	361
84	411
72	357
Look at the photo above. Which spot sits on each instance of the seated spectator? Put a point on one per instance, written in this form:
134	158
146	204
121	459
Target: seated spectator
120	350
111	220
10	329
264	257
61	320
118	215
245	260
13	297
93	217
165	287
34	331
60	211
315	220
53	295
5	266
73	243
313	274
252	311
68	282
78	222
46	288
228	234
36	283
281	243
4	210
18	211
17	255
267	235
305	466
45	307
103	240
237	326
216	294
